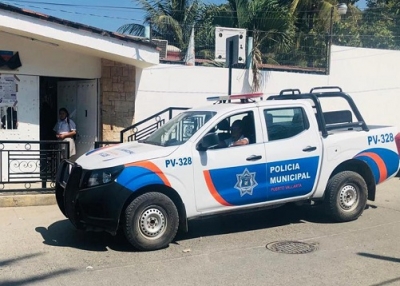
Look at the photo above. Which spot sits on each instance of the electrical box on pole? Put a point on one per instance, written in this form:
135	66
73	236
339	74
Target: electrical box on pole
232	57
232	51
221	46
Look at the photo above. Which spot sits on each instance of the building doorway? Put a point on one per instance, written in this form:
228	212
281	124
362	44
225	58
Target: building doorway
80	98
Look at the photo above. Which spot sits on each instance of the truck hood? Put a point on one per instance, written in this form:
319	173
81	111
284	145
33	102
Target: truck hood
122	154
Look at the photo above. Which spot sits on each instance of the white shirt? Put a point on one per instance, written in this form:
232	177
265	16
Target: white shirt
229	142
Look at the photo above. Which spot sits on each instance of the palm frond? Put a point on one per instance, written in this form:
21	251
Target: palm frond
132	29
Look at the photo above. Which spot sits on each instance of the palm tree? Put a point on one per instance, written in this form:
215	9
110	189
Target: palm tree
313	20
269	23
169	20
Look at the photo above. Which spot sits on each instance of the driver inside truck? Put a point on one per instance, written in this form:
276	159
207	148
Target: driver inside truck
237	138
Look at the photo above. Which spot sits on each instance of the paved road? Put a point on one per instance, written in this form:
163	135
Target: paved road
38	246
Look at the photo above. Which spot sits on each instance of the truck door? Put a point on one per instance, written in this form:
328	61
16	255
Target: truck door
293	152
232	176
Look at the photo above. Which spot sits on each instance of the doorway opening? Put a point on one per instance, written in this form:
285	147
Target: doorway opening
48	115
80	97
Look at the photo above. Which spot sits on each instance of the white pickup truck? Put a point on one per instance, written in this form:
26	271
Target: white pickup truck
296	151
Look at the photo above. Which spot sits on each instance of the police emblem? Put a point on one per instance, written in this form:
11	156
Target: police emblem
246	182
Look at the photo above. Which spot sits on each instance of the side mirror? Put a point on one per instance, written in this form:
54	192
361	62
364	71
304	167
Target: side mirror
209	141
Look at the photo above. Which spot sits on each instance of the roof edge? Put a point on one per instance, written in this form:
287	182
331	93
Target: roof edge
75	25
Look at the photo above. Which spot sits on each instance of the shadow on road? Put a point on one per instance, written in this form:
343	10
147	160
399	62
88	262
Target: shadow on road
7	262
31	279
63	234
381	257
253	220
388	282
386	258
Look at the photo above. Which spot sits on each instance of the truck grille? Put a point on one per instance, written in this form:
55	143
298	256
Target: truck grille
68	178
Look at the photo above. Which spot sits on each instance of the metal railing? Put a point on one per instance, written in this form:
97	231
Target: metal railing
143	128
30	165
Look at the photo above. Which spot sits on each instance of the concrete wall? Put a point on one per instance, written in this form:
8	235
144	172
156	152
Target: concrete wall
368	75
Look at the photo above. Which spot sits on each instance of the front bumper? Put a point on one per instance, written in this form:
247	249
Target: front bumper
93	208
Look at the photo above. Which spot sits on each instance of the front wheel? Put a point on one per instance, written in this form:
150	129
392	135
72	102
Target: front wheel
151	221
346	196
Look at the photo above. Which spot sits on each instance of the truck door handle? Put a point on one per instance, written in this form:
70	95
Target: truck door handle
254	158
309	148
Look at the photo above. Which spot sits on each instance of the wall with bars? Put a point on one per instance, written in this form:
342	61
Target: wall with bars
368	75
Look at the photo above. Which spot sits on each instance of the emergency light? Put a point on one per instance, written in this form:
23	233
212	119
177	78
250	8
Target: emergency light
243	97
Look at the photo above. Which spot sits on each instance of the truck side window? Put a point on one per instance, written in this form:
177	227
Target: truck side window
285	122
223	127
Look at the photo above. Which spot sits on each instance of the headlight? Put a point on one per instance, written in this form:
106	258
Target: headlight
103	176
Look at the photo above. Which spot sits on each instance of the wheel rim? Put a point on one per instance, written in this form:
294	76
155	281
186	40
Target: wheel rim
348	197
152	222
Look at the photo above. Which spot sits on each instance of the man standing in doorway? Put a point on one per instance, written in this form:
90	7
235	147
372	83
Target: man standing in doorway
65	130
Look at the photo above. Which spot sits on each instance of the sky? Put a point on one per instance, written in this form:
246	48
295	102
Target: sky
104	14
123	11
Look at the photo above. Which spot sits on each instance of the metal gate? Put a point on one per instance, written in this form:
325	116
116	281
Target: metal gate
30	165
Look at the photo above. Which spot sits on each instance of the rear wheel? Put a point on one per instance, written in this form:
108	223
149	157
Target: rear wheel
151	221
346	196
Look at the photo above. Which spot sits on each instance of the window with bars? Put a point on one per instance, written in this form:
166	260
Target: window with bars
9	117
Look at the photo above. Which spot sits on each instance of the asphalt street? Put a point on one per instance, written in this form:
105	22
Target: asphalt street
39	246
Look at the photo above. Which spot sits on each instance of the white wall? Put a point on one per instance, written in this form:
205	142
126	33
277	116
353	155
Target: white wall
45	59
79	39
368	75
371	77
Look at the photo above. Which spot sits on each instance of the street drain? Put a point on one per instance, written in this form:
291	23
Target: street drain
291	247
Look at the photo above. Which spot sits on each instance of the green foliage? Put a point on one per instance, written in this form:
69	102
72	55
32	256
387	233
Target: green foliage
169	20
380	27
285	32
268	23
346	31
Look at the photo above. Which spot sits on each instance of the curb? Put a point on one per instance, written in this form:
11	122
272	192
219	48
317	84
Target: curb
27	200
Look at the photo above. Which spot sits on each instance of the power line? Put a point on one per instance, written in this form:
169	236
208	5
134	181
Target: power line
140	8
75	5
80	13
93	7
101	7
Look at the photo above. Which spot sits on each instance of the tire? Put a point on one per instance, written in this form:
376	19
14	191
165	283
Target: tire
151	221
346	196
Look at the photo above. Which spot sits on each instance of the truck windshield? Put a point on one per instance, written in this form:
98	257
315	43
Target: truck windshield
180	128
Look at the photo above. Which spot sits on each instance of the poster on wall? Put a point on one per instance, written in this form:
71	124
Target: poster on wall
8	101
8	89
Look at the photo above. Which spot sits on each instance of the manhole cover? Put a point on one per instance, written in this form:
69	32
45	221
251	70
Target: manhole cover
291	247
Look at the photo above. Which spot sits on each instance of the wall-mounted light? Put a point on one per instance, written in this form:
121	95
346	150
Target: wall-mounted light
342	9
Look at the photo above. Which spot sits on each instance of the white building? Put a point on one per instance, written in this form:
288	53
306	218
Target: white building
89	71
110	80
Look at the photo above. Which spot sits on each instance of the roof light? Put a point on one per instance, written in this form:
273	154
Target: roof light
243	96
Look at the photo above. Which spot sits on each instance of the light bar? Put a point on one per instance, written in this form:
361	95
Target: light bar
235	96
